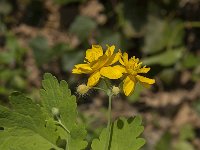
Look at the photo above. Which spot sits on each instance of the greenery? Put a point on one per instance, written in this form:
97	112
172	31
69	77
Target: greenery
39	36
53	124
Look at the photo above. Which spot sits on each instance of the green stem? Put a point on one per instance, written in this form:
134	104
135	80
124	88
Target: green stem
109	122
62	125
59	122
109	110
106	82
67	145
97	88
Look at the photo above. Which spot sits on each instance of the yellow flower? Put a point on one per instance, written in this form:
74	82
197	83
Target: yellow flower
99	64
132	70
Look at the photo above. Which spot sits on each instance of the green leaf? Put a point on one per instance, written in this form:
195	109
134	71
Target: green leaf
13	78
29	126
41	49
196	106
166	58
14	53
57	95
124	135
25	126
60	48
187	132
135	10
183	145
165	142
191	61
167	75
82	27
196	74
72	58
161	34
43	53
111	39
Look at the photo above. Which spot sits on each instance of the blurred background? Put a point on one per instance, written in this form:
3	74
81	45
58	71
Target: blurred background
38	36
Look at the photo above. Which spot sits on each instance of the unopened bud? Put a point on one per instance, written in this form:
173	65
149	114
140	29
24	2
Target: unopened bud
115	90
55	111
83	89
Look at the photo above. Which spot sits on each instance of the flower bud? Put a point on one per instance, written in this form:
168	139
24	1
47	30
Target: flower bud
82	89
115	90
55	111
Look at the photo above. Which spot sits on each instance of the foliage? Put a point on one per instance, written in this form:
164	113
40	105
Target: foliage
31	126
124	135
53	124
26	127
39	36
186	133
82	27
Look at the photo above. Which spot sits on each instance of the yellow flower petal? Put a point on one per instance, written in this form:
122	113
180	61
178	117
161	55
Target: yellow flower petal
112	59
145	80
146	85
129	85
120	68
76	71
99	63
134	59
143	70
121	62
110	50
94	53
82	68
116	58
93	79
115	72
125	59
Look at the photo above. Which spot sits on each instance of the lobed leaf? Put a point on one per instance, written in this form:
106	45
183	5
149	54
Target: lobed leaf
124	135
57	95
25	126
29	126
163	58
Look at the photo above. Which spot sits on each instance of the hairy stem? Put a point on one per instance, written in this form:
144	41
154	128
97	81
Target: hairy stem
109	111
97	88
65	128
107	83
62	125
109	122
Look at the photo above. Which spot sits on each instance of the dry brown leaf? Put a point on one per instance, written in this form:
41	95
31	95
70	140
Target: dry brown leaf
185	115
173	98
185	77
91	9
53	36
94	10
32	70
53	20
196	143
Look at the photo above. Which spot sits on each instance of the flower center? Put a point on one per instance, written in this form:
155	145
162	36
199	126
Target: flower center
132	71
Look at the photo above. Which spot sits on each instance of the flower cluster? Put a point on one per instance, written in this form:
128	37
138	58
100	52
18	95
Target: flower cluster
98	64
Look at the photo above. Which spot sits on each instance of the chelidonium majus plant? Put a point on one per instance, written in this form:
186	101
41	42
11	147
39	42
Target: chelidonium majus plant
53	123
111	65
